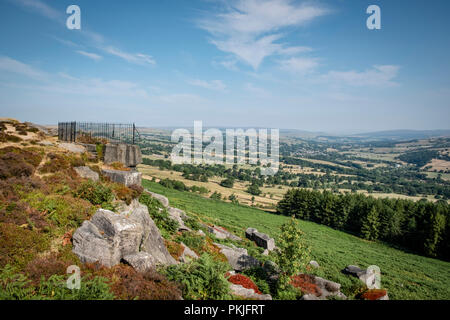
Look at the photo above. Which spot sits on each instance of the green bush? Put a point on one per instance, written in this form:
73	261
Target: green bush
96	193
159	214
201	279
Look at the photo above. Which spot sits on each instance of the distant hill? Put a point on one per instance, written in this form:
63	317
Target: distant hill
403	134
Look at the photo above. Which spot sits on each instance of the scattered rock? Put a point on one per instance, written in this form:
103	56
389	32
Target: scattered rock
72	147
222	233
240	291
179	216
140	261
87	173
127	154
366	278
164	201
317	286
238	258
46	143
261	239
201	233
266	252
314	264
309	297
187	254
127	178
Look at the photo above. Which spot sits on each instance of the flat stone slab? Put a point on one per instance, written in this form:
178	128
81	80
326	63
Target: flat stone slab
72	147
127	178
261	239
87	173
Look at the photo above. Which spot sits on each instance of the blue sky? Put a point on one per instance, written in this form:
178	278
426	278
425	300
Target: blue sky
309	65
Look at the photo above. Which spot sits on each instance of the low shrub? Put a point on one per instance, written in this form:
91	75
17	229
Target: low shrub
242	280
306	284
96	193
159	214
193	241
125	193
20	245
201	279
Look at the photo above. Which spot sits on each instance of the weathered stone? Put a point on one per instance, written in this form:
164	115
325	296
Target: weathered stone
140	261
87	173
309	297
72	147
127	178
128	154
240	291
152	241
91	246
261	239
106	238
221	233
326	288
164	201
238	258
187	254
201	233
368	279
314	264
130	234
177	215
46	143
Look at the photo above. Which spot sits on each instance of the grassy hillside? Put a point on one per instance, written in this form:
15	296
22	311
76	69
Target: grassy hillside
405	275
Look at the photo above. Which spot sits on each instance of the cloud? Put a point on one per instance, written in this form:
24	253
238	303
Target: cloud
41	8
137	58
90	55
217	85
249	29
378	76
298	65
8	64
250	87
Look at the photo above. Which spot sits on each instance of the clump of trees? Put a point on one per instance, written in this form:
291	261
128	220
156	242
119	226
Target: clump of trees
421	226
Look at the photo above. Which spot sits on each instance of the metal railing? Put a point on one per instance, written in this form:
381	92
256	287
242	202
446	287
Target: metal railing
89	132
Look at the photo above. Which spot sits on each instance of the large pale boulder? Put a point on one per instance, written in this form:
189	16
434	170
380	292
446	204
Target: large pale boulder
261	239
87	173
106	238
127	178
238	258
130	235
72	147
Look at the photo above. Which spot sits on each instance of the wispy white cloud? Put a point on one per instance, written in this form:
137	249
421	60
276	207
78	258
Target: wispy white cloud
249	29
137	58
90	55
217	85
299	65
377	76
8	64
41	8
260	92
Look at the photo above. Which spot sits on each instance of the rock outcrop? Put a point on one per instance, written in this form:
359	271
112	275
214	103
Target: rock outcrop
238	258
72	147
362	274
261	239
222	233
127	178
179	216
187	254
317	288
87	173
127	154
131	235
164	201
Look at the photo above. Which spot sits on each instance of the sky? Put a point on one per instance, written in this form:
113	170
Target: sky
307	65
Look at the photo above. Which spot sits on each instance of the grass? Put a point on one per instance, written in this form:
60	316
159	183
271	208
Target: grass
404	275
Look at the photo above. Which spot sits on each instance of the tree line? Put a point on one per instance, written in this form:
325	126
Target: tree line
422	226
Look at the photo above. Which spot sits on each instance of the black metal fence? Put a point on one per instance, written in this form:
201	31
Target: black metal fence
85	131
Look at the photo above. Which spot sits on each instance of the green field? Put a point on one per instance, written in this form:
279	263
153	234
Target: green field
404	275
